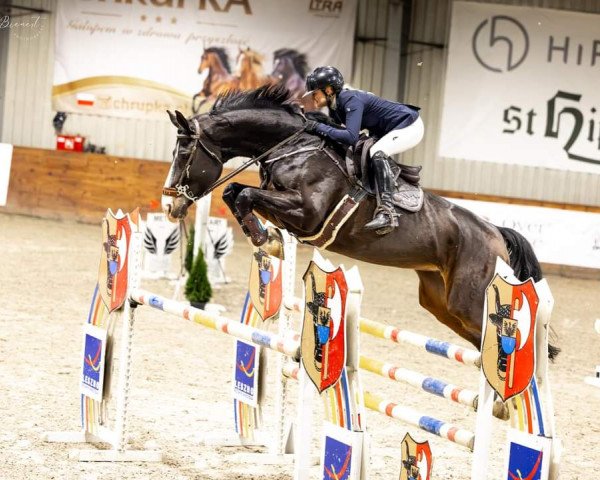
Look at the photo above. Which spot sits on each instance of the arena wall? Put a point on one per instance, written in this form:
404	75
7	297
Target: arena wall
81	186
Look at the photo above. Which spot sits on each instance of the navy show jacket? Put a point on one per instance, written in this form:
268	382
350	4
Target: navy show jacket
357	110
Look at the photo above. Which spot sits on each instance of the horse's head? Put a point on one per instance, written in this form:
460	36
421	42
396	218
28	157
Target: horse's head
196	166
249	60
214	58
288	62
283	67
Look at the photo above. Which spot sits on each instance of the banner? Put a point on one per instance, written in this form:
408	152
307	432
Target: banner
561	237
522	87
136	59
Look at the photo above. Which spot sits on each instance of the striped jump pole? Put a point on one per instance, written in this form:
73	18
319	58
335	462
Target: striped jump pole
431	345
432	425
288	345
447	350
431	385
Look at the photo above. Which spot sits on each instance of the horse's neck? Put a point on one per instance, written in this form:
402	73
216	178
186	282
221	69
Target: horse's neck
270	130
218	70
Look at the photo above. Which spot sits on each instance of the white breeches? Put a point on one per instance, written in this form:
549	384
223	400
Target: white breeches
398	141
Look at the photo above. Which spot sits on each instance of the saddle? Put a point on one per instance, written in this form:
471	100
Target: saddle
407	194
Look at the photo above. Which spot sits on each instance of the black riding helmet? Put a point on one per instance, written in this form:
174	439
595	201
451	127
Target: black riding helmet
323	76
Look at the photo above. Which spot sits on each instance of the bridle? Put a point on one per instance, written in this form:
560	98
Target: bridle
180	188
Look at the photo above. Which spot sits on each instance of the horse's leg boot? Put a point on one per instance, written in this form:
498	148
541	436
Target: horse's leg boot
385	216
258	235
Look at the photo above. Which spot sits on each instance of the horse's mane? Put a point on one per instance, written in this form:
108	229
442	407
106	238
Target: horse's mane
222	54
298	59
267	97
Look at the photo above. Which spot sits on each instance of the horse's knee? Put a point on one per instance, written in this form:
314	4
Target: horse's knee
231	191
243	201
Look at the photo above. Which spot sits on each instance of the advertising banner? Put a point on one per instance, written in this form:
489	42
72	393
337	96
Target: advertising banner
135	59
522	87
561	237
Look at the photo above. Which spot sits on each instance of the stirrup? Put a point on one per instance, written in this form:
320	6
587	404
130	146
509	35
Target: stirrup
392	216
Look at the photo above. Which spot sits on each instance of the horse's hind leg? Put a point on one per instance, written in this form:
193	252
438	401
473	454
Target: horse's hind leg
432	297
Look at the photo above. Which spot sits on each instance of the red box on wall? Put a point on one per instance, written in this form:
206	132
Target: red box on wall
70	142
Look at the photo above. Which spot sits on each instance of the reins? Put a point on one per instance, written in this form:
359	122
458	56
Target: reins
181	189
245	165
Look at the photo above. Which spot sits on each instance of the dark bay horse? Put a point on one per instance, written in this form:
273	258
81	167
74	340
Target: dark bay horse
452	250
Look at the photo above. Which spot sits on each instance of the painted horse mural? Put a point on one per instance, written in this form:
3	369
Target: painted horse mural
290	69
214	64
250	69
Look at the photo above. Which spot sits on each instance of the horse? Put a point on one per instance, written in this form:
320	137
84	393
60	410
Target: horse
452	250
250	70
289	68
219	78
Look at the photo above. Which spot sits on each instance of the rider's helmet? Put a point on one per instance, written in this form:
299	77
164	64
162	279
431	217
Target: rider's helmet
323	76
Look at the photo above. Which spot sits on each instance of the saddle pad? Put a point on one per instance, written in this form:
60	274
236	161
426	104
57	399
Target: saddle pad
408	197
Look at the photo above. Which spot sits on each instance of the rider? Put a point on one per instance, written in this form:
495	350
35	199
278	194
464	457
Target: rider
398	127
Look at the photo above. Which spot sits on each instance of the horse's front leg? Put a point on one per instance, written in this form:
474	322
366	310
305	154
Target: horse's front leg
230	195
282	204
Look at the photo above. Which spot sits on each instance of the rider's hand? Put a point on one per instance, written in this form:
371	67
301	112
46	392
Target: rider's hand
310	126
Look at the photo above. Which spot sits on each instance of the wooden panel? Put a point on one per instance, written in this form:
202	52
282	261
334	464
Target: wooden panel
81	186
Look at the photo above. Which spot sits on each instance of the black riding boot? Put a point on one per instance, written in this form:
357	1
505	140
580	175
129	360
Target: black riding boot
385	220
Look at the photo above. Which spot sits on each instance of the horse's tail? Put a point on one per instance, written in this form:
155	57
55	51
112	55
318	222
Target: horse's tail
522	257
525	264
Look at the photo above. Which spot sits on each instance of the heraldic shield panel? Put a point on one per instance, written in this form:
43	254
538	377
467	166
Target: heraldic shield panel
508	346
417	460
265	284
112	276
323	341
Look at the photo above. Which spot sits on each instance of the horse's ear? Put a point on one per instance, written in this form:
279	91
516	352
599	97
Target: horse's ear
182	122
173	118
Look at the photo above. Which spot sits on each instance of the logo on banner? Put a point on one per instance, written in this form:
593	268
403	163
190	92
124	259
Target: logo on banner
501	32
508	347
337	459
417	460
326	8
112	277
323	342
265	285
246	373
524	463
94	346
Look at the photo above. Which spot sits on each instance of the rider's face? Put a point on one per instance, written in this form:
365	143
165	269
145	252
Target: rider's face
319	98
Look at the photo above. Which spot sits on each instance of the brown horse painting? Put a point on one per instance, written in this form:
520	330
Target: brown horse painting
214	63
250	69
452	250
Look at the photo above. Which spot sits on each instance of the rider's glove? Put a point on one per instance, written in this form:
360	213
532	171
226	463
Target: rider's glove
311	126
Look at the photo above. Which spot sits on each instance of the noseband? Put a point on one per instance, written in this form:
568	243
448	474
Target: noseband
183	189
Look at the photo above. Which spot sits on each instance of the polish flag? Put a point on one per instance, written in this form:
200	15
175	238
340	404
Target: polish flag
86	99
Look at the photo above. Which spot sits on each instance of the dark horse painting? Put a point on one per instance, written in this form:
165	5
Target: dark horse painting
452	250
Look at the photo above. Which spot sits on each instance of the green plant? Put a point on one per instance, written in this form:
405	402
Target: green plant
197	287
